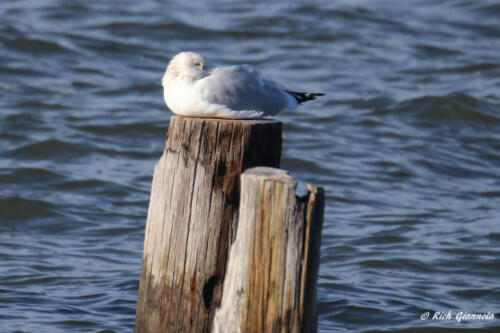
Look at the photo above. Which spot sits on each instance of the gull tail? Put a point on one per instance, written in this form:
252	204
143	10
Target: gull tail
302	97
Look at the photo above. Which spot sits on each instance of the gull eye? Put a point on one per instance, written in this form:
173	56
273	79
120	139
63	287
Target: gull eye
198	64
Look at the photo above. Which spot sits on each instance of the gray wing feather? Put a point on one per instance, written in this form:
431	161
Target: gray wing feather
243	88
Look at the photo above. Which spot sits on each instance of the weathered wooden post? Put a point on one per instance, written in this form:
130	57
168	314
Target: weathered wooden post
192	213
270	284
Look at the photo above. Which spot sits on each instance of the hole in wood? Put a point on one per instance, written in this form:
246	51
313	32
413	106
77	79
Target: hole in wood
208	290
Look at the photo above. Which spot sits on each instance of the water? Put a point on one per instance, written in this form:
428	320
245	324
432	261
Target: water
406	144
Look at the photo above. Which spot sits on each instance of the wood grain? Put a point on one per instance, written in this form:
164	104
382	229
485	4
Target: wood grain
192	216
270	285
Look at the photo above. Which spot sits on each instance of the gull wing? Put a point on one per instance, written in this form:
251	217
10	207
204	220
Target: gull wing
243	88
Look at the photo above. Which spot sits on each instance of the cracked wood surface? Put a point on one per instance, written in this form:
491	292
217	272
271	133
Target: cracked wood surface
192	216
271	278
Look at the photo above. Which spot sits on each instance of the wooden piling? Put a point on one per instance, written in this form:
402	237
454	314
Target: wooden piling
192	214
270	285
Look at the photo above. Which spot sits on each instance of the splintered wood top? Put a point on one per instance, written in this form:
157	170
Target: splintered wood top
246	121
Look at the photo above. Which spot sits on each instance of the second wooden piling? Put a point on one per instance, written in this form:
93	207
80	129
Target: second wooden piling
270	285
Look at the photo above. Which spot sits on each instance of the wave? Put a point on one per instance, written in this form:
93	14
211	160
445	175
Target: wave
432	51
128	129
455	106
51	148
36	45
18	208
28	175
474	67
489	9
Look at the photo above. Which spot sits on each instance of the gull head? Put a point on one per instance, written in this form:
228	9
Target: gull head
186	65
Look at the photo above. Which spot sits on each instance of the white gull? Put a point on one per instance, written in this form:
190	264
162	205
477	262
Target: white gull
192	87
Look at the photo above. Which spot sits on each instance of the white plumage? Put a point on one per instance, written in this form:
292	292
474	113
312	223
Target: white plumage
192	87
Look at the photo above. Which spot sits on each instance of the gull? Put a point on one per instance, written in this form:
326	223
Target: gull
193	87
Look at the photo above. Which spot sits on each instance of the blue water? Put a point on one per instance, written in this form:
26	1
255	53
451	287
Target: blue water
406	144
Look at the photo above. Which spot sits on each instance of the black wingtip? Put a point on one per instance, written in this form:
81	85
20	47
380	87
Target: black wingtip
302	97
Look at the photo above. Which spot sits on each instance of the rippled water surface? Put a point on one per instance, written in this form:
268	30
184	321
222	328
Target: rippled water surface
406	143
